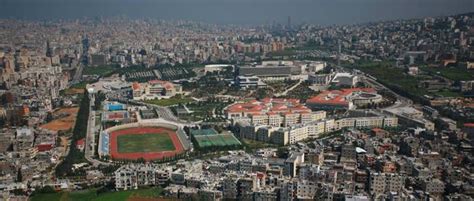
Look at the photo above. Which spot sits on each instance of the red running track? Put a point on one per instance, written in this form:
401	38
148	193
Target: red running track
149	156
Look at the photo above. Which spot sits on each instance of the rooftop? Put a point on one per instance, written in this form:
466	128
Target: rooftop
336	97
269	106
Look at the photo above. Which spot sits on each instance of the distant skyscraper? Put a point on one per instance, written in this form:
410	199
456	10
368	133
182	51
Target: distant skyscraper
85	49
49	51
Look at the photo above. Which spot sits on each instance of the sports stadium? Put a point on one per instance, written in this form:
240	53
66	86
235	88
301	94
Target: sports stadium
150	141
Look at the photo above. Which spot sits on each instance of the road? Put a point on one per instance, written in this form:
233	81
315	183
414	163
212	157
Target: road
401	100
166	113
163	112
78	74
289	89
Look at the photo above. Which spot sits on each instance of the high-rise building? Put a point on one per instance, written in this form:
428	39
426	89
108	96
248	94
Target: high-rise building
85	49
49	51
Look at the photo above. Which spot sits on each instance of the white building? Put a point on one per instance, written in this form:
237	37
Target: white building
154	89
320	79
217	67
345	79
245	82
316	66
133	176
299	132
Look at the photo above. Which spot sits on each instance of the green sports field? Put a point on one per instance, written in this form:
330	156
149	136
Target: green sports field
218	140
92	195
151	142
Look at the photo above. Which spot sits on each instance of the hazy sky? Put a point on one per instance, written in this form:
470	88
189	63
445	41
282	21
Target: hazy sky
323	12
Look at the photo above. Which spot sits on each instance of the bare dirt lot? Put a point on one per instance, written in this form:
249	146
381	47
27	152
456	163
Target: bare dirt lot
64	123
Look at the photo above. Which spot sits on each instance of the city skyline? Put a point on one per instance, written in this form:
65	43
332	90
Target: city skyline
241	12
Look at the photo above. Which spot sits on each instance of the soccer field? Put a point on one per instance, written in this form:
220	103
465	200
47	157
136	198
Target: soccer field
142	143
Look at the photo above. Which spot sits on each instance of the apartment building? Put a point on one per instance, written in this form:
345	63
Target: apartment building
299	132
381	183
133	176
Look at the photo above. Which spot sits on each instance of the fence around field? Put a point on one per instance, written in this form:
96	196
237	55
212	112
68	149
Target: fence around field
216	140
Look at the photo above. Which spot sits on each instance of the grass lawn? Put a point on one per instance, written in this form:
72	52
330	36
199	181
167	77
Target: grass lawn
91	195
252	145
170	101
78	88
47	197
203	110
99	70
452	73
153	142
330	135
80	85
286	52
447	93
384	71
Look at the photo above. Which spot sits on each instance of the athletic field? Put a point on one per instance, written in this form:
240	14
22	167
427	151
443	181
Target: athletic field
149	143
152	142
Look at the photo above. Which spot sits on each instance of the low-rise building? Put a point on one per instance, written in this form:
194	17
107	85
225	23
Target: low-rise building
133	176
154	89
344	99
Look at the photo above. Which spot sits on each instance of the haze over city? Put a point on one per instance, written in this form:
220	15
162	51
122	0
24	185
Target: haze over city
253	12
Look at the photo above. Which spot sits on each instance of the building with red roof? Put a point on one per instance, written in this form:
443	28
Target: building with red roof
272	111
44	147
469	125
468	128
80	144
344	98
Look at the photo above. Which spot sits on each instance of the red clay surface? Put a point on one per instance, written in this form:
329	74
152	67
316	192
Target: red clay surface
149	156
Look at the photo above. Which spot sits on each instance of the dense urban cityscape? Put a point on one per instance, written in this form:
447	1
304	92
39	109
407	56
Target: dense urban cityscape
116	108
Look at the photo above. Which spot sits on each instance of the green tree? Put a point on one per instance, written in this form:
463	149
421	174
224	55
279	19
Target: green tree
79	132
282	152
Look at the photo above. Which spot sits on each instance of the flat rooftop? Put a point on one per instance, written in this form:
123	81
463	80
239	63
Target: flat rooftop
336	97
